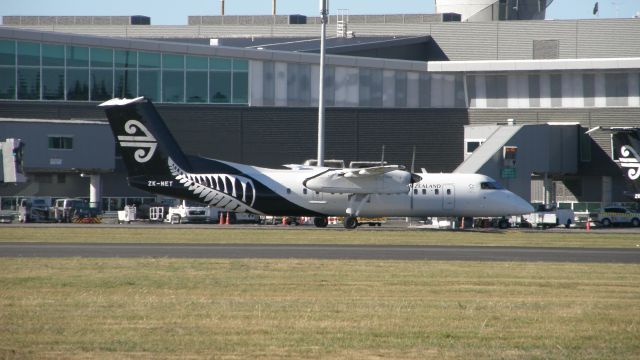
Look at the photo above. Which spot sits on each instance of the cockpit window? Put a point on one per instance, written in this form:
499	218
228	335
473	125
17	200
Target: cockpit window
415	178
490	185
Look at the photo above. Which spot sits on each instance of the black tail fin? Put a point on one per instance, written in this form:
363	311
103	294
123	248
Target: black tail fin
142	137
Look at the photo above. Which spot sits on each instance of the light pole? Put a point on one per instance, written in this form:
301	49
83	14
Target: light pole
324	10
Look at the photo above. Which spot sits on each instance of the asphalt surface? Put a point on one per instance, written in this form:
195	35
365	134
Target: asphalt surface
345	252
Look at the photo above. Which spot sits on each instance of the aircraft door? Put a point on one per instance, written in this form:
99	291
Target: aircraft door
449	197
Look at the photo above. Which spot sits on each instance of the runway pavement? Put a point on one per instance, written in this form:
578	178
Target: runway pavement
346	252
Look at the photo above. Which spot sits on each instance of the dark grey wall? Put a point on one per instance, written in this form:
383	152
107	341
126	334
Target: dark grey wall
274	136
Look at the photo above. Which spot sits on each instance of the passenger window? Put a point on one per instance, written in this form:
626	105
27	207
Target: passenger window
415	191
288	191
448	191
304	191
437	191
424	191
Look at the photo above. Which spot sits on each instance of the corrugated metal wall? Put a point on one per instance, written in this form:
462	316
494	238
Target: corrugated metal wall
268	136
608	38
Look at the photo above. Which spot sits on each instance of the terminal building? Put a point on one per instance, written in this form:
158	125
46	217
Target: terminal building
245	89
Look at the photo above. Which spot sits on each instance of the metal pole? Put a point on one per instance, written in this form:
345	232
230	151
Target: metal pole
222	7
273	7
324	19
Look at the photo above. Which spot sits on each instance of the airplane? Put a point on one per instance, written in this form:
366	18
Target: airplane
155	163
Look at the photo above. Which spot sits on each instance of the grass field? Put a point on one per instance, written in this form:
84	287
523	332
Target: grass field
271	235
241	309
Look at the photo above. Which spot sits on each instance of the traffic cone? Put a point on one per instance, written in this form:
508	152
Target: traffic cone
227	222
588	225
221	220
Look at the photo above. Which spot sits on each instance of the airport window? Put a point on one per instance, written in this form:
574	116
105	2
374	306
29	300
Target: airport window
125	83
78	84
424	90
149	60
298	84
534	90
172	78
101	84
589	89
220	80
125	59
172	86
329	85
7	53
617	89
77	56
149	84
52	83
28	54
102	58
7	82
34	71
7	69
29	83
52	55
197	87
60	142
401	89
555	83
496	91
240	81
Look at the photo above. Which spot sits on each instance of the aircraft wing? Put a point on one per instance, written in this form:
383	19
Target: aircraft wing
369	171
388	179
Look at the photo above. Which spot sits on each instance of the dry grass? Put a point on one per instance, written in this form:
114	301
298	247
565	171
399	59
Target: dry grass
173	234
232	309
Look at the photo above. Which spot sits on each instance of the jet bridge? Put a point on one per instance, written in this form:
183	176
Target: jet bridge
512	154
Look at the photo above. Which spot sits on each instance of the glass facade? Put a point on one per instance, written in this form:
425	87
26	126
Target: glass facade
554	89
43	71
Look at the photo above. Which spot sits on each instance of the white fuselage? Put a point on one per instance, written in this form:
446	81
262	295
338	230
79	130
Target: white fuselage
443	194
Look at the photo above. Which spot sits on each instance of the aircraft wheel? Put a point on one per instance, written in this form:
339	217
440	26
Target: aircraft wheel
175	219
320	221
351	222
635	222
503	224
606	222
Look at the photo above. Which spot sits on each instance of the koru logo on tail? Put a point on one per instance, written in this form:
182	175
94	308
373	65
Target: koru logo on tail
147	144
630	159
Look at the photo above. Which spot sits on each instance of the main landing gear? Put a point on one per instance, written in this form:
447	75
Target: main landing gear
321	221
350	222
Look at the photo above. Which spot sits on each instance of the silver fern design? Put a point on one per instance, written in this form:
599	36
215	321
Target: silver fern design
231	192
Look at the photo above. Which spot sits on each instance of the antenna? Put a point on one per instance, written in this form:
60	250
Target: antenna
413	158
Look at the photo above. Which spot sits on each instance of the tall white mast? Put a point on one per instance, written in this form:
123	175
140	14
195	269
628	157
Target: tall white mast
324	10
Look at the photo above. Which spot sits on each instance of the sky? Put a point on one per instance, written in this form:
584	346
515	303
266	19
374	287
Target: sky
176	12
